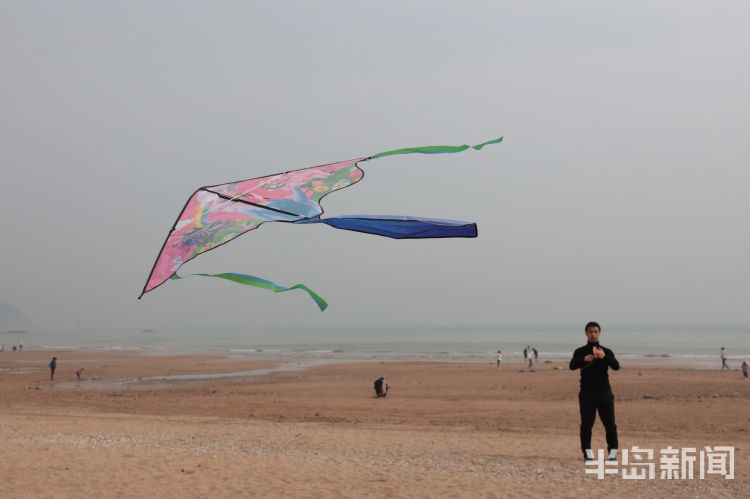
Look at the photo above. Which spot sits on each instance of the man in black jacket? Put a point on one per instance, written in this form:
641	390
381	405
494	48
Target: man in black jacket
596	395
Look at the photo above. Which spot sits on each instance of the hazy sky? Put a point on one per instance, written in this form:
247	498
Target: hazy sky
620	192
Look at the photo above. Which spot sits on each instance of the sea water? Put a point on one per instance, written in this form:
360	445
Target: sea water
694	347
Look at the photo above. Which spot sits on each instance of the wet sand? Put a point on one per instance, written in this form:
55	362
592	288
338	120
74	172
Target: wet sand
445	430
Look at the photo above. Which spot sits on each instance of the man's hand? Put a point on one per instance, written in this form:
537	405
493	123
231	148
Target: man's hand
588	358
598	353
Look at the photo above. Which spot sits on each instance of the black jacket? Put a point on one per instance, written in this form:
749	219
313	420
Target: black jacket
594	375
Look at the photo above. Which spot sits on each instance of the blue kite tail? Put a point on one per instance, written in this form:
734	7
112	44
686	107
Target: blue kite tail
399	227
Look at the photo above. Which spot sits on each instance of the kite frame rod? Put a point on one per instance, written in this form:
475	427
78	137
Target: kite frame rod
236	198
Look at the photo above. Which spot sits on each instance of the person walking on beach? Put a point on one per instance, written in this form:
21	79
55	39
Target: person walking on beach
52	367
78	373
745	368
596	393
530	354
499	358
724	364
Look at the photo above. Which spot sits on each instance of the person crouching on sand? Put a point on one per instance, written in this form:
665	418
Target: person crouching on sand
381	389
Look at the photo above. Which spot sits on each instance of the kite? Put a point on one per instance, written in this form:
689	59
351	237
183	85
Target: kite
215	215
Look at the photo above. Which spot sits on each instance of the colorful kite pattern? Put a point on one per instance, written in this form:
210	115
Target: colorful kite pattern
215	215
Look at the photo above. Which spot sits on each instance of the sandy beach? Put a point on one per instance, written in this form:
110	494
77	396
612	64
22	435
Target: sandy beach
445	430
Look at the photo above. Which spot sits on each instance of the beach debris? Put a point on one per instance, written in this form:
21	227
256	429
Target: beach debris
215	215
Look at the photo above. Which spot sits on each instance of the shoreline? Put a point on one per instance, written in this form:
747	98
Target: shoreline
318	356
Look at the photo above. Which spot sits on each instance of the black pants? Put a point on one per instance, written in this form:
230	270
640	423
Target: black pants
590	402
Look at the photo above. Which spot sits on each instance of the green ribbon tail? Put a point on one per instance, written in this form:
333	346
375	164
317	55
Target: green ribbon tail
435	149
249	280
479	147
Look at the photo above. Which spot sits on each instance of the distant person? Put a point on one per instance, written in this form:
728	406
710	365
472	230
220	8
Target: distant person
14	348
596	394
745	368
381	389
20	346
724	364
2	348
499	358
78	373
530	354
52	367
